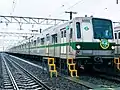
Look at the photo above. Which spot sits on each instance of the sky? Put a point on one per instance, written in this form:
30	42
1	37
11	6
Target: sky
55	9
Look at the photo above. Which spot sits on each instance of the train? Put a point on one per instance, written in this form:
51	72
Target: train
89	41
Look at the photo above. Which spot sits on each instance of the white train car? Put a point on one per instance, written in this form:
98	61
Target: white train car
85	39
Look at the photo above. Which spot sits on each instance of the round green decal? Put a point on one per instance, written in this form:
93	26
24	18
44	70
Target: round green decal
86	28
104	43
67	27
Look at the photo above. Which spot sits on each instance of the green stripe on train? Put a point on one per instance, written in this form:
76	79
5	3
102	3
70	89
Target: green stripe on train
84	45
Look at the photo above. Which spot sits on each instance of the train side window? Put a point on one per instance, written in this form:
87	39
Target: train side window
115	35
47	37
61	34
25	45
22	46
71	32
54	38
38	39
31	42
119	35
65	33
42	41
34	43
78	30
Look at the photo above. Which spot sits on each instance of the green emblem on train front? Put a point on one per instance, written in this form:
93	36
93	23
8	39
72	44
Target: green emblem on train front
86	28
104	44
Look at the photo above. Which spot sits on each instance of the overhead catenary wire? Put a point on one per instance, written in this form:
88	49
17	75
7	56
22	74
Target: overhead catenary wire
61	14
75	4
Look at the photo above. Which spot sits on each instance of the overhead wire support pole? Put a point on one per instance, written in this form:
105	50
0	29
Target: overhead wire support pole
71	13
116	1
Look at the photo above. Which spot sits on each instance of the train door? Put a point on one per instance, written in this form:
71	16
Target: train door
63	41
54	41
70	37
87	32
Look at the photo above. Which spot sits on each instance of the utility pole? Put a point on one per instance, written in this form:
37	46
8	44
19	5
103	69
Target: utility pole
116	1
71	13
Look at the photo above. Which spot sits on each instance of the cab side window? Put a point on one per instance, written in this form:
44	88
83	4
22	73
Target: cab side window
65	33
78	30
115	35
71	32
61	34
119	35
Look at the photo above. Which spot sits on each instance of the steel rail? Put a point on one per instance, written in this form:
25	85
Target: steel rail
88	86
35	78
11	76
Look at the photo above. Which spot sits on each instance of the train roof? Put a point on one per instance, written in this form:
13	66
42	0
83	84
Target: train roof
70	21
51	29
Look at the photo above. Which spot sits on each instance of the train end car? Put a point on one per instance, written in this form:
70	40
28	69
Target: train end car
87	40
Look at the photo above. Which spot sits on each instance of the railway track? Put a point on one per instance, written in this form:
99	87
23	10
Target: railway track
59	83
7	77
63	83
17	78
97	82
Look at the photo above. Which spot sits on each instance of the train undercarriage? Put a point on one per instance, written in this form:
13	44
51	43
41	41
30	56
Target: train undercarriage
81	64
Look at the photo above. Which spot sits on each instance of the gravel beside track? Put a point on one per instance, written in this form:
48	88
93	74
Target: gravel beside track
99	81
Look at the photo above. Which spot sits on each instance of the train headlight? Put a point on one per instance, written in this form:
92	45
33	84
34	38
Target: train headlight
113	47
78	46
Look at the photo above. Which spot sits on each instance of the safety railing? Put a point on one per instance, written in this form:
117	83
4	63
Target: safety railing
52	67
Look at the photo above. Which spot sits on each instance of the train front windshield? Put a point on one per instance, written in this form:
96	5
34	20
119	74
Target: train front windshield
102	28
